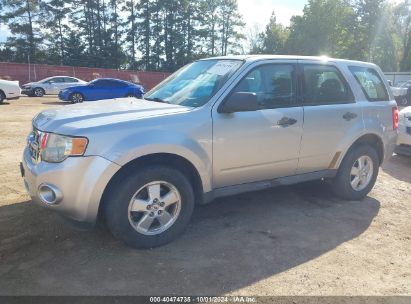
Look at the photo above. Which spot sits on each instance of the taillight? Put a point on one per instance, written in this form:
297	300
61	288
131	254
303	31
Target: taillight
395	118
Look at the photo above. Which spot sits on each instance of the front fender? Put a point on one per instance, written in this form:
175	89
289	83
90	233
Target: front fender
134	146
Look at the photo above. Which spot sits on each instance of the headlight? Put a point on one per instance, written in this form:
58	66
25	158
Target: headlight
56	148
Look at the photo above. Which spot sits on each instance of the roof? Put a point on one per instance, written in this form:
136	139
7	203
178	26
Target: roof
286	57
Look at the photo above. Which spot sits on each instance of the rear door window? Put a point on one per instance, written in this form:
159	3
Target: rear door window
324	84
370	82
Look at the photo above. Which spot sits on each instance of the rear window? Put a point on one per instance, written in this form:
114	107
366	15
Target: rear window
370	82
324	85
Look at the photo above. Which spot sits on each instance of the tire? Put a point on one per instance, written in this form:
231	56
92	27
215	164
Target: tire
76	98
2	97
131	227
38	92
343	182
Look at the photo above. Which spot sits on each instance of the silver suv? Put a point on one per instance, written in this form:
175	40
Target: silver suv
216	127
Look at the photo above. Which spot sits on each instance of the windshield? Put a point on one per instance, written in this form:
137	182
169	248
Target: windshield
194	84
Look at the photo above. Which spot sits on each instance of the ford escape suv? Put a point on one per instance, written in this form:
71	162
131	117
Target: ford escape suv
216	127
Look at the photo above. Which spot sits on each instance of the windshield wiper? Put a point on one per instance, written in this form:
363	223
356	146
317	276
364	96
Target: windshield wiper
156	99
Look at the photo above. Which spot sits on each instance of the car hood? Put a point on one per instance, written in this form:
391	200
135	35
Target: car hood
75	119
29	84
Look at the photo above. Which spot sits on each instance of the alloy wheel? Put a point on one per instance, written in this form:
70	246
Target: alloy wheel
38	92
154	208
76	98
361	173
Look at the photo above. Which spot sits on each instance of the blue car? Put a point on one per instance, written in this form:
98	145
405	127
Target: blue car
102	88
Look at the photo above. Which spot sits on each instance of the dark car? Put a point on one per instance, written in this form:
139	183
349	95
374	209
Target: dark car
408	86
102	88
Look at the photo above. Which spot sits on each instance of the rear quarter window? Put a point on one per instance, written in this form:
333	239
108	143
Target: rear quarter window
371	83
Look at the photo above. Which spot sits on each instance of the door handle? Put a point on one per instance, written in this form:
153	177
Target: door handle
286	121
349	115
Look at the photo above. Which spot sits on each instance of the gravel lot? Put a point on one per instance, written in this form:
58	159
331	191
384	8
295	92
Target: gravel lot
297	240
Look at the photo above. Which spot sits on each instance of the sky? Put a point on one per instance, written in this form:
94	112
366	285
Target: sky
254	12
258	12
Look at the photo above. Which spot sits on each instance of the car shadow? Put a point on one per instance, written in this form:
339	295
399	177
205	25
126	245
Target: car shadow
395	167
4	103
230	244
60	103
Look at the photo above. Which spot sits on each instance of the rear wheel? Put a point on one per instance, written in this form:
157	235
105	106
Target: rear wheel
357	173
76	98
151	207
38	92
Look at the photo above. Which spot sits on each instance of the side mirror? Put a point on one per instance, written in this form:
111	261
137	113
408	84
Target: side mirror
240	102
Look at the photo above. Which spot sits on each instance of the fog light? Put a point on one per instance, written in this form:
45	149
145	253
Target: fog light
50	194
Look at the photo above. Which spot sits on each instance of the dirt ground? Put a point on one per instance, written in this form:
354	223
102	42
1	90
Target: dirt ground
297	240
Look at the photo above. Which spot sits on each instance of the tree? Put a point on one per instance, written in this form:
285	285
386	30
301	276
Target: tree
402	17
231	22
134	34
326	28
55	13
22	19
275	37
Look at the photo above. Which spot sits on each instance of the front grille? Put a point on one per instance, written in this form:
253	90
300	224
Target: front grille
33	143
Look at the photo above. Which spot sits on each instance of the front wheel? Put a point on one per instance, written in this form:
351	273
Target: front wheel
38	92
151	207
357	173
2	97
76	98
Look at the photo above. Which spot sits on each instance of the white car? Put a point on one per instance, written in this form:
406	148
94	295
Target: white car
9	90
404	132
50	85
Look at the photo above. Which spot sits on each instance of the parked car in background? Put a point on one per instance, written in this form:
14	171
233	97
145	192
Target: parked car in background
406	85
50	85
9	90
404	132
102	88
400	94
217	127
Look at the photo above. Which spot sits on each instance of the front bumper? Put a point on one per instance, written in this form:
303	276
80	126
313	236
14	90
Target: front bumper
81	181
27	91
63	96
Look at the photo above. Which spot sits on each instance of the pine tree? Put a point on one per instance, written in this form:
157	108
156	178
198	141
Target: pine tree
22	18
